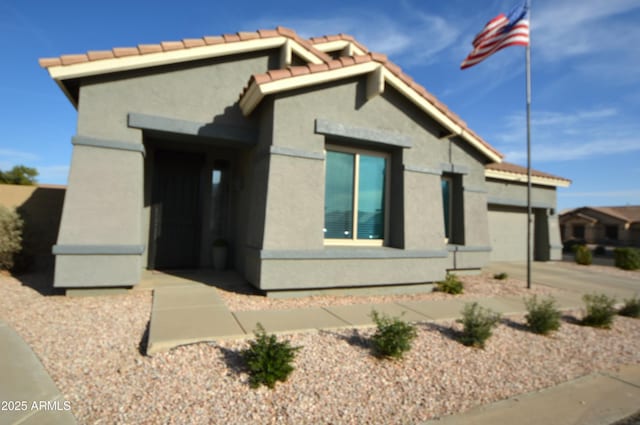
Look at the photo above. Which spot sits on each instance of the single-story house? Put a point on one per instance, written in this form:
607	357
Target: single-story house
320	163
602	225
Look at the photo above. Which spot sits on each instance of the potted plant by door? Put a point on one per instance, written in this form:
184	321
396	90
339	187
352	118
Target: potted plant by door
220	250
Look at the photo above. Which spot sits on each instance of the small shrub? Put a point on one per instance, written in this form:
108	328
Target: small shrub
627	258
600	251
500	276
600	310
268	360
631	308
477	324
583	255
542	316
451	285
393	336
10	237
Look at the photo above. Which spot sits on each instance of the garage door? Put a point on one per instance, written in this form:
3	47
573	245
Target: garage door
508	233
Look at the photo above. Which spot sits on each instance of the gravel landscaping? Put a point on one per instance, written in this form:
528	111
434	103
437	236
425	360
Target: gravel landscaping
91	348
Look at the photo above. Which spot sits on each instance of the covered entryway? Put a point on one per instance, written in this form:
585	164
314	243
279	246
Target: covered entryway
175	210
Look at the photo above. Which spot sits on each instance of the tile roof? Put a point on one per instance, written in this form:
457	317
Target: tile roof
517	169
382	59
189	43
338	37
629	213
328	63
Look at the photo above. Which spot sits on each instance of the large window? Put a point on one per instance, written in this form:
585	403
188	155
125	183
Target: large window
355	197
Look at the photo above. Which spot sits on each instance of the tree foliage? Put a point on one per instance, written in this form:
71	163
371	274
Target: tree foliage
19	174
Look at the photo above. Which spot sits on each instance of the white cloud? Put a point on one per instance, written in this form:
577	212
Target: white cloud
411	37
568	28
11	157
575	149
558	136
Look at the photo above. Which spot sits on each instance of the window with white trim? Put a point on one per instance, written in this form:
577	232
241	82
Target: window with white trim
356	196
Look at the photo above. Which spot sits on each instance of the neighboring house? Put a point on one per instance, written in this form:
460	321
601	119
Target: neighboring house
321	163
602	225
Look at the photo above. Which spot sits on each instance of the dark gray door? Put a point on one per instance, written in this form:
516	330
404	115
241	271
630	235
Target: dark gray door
175	210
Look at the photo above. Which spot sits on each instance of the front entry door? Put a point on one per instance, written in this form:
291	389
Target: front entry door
175	210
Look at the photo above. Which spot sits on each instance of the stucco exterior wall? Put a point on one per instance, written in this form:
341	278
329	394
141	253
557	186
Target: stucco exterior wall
104	215
508	221
296	255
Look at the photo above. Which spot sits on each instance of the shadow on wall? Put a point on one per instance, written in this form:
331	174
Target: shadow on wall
40	208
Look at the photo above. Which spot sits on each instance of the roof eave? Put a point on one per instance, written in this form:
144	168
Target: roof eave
522	178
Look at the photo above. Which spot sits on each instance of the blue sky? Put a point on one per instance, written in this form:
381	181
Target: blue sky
585	58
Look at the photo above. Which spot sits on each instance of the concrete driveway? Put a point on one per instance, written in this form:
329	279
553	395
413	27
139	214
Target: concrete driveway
582	280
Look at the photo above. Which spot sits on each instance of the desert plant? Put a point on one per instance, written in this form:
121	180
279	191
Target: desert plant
542	316
500	276
599	310
393	336
627	258
10	237
451	285
583	255
268	360
631	308
477	324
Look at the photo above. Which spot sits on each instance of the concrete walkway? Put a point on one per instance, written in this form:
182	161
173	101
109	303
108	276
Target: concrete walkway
596	399
186	309
27	393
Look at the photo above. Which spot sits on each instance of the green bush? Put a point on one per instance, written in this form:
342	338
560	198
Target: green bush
600	311
268	360
631	308
542	316
10	237
451	285
393	336
583	255
500	276
477	324
627	258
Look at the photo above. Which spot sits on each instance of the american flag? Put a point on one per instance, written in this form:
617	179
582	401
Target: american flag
500	32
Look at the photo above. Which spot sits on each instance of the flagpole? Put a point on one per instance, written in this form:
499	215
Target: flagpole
529	218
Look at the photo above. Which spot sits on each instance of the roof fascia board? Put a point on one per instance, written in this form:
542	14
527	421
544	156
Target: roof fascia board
104	66
426	106
332	46
303	53
544	181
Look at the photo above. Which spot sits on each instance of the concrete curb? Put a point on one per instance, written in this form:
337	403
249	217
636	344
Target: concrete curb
27	392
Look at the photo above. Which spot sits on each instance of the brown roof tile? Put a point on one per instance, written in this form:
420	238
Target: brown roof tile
145	49
279	74
248	35
211	40
100	54
517	169
193	42
299	70
49	62
268	33
71	59
121	52
168	46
